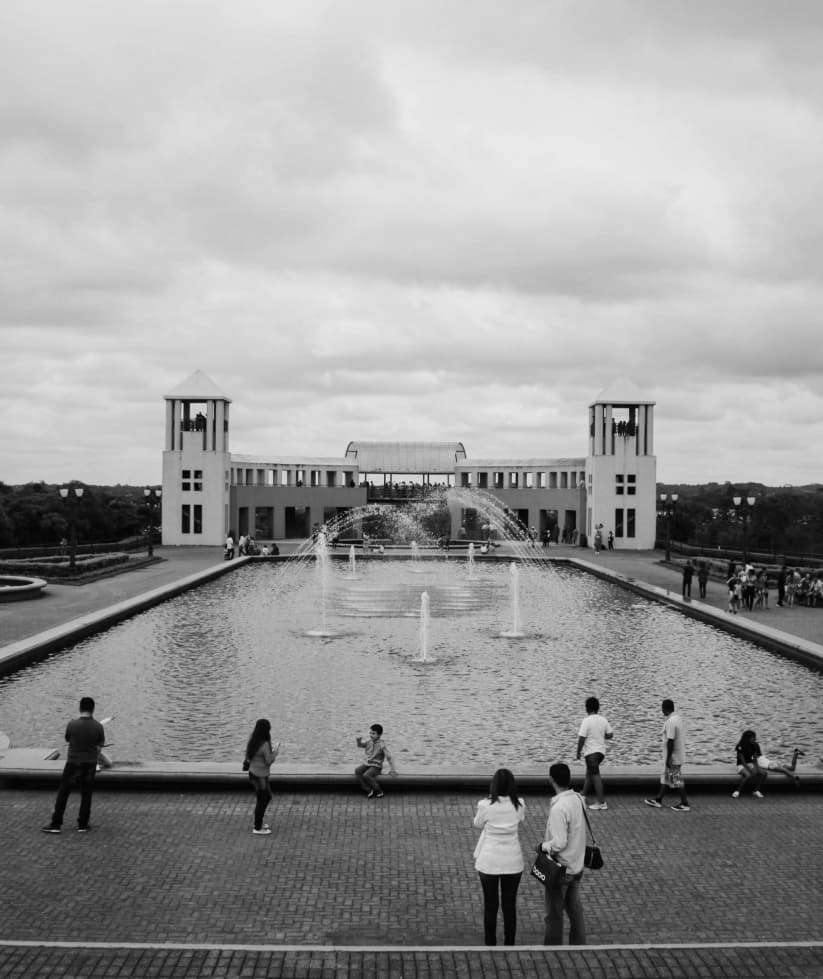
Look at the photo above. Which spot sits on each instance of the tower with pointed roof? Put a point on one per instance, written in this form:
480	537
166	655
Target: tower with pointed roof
196	463
621	468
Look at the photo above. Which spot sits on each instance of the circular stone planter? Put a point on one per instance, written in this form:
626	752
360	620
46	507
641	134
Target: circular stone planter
16	588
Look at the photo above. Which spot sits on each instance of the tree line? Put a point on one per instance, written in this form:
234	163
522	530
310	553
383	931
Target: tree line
35	515
782	520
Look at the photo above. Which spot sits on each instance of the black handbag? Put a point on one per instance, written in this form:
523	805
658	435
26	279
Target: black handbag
548	871
593	858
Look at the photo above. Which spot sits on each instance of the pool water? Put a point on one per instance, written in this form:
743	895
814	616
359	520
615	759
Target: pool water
187	679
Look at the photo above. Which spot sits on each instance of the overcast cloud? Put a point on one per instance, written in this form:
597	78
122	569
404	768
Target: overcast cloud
411	220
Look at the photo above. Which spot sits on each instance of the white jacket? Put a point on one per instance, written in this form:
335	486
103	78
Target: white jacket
498	849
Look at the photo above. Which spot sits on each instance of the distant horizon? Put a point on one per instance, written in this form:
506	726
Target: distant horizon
372	220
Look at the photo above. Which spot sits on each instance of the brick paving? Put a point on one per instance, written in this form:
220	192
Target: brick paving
340	873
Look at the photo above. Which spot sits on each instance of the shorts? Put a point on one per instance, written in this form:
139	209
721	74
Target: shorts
672	777
593	762
764	762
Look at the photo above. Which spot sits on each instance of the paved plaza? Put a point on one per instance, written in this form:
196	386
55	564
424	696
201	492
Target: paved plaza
177	880
173	884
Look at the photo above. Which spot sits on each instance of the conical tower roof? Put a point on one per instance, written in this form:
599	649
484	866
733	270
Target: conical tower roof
622	392
197	387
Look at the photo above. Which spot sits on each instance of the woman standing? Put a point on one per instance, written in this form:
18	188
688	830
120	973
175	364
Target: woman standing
260	755
498	858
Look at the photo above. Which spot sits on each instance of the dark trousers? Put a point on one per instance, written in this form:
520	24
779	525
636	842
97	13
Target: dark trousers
262	791
80	775
564	897
499	889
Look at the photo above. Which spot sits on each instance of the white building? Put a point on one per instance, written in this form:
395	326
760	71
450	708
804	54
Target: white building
208	492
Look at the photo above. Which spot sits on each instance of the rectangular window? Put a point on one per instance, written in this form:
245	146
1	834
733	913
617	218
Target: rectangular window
573	480
618	485
483	480
528	480
198	480
541	480
630	531
465	480
553	480
498	480
631	487
618	522
185	485
185	519
514	480
331	477
314	477
198	518
284	477
564	480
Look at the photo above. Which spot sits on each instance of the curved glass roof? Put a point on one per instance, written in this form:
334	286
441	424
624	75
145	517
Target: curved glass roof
406	457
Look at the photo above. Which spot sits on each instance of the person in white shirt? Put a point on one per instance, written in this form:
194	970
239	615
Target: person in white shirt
565	842
594	732
674	754
498	858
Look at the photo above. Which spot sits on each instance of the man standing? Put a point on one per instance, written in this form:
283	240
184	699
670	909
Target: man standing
86	738
702	578
594	732
565	842
688	574
674	754
781	586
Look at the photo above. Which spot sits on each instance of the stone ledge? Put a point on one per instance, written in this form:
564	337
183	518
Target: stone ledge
22	766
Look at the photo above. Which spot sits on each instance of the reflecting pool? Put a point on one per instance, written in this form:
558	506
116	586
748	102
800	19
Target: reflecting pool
186	680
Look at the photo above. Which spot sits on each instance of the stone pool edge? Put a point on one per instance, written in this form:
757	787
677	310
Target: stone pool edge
792	647
37	767
42	644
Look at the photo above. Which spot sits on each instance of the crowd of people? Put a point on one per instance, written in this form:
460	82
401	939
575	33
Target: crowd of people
247	545
498	856
749	588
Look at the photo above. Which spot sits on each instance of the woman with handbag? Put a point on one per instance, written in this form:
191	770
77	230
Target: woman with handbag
498	857
260	756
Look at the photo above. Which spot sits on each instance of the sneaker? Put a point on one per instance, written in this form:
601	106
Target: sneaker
265	831
83	829
681	808
757	794
51	829
735	794
599	805
377	795
653	803
371	795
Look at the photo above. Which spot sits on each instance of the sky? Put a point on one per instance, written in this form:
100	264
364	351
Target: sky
416	220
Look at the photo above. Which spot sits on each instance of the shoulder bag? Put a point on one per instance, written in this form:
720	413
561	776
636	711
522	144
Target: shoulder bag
593	858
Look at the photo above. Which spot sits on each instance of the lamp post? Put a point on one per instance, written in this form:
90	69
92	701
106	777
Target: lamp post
66	494
669	503
152	498
750	501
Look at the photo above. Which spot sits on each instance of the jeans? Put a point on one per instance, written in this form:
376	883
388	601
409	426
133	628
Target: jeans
565	897
367	774
507	884
80	774
262	790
